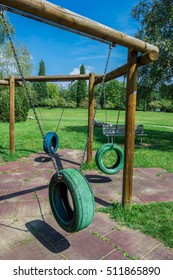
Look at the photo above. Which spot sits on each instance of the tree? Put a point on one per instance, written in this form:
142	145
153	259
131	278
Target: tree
8	64
8	67
156	21
81	88
52	91
21	105
114	95
3	33
41	88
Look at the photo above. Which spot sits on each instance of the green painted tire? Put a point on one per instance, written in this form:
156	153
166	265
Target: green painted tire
117	166
51	143
71	200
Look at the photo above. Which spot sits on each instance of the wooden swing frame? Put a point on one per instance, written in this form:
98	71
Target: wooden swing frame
63	18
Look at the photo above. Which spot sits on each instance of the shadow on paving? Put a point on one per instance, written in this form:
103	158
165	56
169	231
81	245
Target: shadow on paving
47	236
102	202
42	159
23	192
99	179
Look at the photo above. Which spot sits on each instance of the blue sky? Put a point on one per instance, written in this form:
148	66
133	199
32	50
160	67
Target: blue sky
63	52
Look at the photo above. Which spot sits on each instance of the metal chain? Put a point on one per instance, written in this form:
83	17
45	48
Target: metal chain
40	113
26	87
121	97
60	119
96	107
37	105
106	116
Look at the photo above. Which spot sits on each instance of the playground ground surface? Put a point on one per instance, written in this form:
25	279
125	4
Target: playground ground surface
29	231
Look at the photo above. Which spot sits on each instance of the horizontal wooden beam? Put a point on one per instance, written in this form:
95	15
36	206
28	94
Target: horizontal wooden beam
6	83
55	78
122	70
56	14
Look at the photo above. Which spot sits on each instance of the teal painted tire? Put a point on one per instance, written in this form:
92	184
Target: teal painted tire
119	161
51	143
71	200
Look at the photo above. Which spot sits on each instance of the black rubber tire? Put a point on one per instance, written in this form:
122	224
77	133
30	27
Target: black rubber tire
117	166
78	214
51	143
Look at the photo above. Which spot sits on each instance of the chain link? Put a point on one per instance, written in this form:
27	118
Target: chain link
96	107
26	87
121	101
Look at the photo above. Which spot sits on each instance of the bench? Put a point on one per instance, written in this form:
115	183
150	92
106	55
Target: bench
119	130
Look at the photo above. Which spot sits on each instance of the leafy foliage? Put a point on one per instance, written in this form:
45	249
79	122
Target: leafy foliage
41	88
2	31
21	106
8	64
9	67
113	96
156	21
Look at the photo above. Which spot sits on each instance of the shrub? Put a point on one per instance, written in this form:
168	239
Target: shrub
4	108
167	105
21	107
162	104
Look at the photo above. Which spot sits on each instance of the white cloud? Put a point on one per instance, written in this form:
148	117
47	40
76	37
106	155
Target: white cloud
76	70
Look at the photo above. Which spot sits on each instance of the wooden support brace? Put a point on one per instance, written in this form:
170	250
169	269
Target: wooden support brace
122	70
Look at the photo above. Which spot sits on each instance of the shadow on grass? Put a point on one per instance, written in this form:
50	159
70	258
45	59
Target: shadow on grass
6	156
159	138
98	133
48	236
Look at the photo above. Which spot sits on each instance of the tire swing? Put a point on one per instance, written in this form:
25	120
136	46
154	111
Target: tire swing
119	158
51	143
71	200
110	131
70	195
51	139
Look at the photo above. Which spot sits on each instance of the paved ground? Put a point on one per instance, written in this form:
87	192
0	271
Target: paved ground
28	229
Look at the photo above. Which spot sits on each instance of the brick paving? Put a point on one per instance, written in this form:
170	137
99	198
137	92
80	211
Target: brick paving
29	231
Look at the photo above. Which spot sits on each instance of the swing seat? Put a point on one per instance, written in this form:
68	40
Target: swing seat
119	158
71	200
51	143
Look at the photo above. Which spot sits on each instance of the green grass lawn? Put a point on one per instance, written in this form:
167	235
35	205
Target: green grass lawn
154	219
157	150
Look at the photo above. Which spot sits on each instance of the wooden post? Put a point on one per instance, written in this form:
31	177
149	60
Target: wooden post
12	113
90	117
130	127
